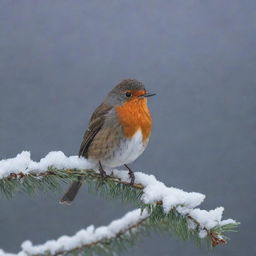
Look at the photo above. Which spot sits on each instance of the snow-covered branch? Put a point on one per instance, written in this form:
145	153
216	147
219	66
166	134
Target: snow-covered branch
86	238
164	206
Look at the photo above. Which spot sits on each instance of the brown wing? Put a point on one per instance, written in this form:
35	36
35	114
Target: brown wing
95	125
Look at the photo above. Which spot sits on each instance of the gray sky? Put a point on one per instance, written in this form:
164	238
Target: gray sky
58	59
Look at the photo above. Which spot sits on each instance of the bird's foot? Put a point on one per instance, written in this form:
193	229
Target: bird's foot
103	177
131	174
132	177
103	174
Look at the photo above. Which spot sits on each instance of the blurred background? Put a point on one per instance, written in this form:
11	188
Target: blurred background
58	59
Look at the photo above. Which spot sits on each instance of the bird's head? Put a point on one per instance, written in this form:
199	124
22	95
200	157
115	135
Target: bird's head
127	90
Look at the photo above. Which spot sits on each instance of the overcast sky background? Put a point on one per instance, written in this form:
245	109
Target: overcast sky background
58	59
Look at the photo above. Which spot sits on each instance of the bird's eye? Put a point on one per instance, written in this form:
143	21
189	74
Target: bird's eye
128	94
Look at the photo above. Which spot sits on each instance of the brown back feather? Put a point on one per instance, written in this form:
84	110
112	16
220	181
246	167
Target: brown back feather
95	125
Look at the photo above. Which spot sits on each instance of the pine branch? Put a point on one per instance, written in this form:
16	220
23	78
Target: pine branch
113	188
111	246
169	211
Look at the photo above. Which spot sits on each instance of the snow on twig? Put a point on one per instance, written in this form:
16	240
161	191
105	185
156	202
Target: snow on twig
24	164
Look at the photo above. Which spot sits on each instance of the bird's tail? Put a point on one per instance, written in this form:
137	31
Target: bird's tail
70	195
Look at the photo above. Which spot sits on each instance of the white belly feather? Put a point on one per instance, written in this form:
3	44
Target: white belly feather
127	152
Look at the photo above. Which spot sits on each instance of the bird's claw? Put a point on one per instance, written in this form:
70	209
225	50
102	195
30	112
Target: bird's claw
132	177
103	176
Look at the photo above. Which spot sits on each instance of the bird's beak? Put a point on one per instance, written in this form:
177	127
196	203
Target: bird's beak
146	95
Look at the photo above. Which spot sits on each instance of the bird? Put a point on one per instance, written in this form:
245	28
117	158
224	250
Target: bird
118	131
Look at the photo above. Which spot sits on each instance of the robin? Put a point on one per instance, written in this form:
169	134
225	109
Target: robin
118	131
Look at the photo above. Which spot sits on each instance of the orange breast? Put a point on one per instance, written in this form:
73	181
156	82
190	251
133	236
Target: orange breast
134	114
